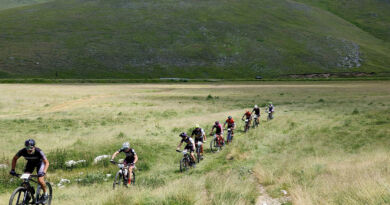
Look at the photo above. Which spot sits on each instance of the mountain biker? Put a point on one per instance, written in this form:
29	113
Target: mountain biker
256	110
190	145
218	131
199	135
131	158
271	110
248	116
35	159
230	124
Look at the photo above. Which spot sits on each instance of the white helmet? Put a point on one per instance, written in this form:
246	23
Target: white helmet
256	106
126	145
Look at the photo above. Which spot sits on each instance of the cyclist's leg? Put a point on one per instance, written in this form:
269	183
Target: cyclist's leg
130	174
41	180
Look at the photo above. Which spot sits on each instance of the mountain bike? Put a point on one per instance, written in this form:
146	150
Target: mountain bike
217	143
25	193
229	137
247	125
198	148
270	115
256	121
122	176
185	162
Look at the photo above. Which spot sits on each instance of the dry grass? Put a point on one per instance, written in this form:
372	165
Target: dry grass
327	144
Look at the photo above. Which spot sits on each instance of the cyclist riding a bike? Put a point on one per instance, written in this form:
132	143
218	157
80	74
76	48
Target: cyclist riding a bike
218	131
190	144
199	135
35	159
230	124
271	110
248	116
129	161
256	110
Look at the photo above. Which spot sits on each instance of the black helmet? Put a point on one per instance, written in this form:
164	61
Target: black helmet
230	117
183	134
216	122
29	142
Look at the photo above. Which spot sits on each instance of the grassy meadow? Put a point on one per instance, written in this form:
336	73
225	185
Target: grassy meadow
227	39
328	143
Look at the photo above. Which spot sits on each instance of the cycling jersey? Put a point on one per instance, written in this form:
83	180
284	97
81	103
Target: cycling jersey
198	133
248	115
34	160
257	111
271	108
230	123
130	155
190	144
218	129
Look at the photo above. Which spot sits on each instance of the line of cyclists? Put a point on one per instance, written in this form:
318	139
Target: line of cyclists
199	134
36	159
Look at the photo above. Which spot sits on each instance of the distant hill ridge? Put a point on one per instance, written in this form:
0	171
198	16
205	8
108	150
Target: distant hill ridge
192	39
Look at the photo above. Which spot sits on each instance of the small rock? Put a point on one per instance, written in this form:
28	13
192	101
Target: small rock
72	163
63	181
3	166
284	192
99	158
108	175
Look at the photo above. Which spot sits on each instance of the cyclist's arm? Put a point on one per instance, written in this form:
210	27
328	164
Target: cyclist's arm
46	162
114	155
135	159
178	147
14	160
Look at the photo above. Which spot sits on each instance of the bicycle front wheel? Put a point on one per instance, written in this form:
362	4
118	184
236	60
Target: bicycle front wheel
19	197
40	193
117	180
213	145
183	165
133	178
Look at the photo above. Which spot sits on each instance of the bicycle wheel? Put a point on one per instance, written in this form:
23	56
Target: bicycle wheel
198	154
183	165
117	180
133	178
213	145
19	197
40	193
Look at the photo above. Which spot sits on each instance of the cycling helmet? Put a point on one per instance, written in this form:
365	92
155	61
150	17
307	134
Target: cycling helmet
183	134
126	145
197	126
216	122
29	143
270	103
230	117
256	106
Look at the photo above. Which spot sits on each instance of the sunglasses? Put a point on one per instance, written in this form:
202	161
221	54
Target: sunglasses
29	148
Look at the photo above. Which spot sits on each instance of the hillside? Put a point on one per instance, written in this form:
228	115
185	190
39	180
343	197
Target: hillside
194	39
6	4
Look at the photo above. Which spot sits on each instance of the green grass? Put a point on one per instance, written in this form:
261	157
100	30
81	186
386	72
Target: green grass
207	39
370	15
327	144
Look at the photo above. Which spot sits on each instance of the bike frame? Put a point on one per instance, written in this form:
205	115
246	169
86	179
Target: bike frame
28	188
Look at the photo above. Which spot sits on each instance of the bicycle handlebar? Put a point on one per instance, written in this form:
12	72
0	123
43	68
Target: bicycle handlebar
18	175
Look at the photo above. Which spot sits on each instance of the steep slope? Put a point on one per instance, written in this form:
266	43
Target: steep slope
372	16
195	39
6	4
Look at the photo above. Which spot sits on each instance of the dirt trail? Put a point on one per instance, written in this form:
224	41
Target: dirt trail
265	199
73	103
